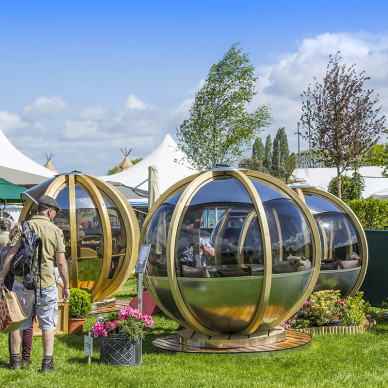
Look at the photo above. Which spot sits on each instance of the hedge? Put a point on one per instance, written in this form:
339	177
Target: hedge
372	213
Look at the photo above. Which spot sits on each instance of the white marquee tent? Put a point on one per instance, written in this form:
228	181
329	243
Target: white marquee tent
170	161
17	168
320	178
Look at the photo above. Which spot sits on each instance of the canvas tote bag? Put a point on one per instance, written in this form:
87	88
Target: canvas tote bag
11	313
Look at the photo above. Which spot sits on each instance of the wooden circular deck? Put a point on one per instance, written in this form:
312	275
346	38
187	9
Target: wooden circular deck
293	339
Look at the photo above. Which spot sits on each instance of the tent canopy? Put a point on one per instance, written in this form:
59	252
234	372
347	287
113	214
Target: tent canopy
170	161
321	177
17	168
10	191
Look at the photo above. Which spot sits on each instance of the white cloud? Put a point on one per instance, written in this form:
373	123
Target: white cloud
281	84
89	138
10	121
134	103
76	129
43	107
96	113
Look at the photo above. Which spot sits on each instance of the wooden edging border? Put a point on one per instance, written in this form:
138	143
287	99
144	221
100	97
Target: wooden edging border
334	330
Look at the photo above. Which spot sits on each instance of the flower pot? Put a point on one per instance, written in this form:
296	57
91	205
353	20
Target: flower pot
117	350
338	322
76	325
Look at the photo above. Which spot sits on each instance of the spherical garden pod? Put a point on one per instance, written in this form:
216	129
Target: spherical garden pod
232	251
343	242
100	229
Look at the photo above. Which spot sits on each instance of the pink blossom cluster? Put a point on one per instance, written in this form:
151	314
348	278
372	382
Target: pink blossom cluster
99	329
127	311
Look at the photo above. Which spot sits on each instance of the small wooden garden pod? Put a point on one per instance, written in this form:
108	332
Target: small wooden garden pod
100	229
232	251
343	242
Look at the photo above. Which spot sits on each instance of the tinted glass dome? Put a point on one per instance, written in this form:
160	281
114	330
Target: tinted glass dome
343	242
100	230
231	251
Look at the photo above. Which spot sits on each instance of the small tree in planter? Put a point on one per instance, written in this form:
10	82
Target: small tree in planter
121	335
79	307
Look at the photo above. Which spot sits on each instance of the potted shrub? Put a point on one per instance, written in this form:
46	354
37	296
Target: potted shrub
79	307
121	334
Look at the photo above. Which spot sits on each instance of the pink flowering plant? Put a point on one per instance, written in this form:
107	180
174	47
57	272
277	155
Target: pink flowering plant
324	307
128	321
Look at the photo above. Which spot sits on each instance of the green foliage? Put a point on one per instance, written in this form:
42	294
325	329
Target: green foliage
326	307
279	151
372	213
112	170
219	126
341	116
258	151
253	164
268	153
79	303
351	187
354	312
132	328
376	156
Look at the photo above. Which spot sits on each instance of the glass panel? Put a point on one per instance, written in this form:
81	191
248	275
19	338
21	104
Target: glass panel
290	237
291	256
119	240
266	193
157	237
157	260
37	191
341	262
319	205
220	287
90	247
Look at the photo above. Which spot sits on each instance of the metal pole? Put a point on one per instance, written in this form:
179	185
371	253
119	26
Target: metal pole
298	133
140	292
309	147
279	157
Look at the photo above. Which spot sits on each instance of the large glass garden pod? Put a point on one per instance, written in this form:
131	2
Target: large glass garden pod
232	251
100	230
343	242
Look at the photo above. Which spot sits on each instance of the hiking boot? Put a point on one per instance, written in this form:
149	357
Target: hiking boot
15	362
26	362
47	365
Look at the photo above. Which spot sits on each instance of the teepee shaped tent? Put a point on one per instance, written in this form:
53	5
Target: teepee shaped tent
48	164
126	163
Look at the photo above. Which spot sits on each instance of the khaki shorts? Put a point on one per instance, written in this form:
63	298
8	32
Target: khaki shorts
46	306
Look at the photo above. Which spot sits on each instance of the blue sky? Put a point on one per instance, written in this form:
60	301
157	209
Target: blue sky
84	79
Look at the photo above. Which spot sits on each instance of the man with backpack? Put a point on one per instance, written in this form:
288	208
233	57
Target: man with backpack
43	300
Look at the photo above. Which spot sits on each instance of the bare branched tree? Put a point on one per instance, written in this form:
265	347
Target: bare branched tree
341	116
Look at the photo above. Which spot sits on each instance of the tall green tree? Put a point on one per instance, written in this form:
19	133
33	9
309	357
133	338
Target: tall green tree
219	126
268	153
342	116
258	151
280	152
256	161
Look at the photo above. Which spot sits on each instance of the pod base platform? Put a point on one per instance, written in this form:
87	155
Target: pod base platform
288	339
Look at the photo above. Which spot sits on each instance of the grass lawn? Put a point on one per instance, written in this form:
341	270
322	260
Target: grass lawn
329	361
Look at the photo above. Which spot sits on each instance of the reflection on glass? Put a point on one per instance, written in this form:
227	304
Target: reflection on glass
339	240
290	237
118	237
157	237
90	248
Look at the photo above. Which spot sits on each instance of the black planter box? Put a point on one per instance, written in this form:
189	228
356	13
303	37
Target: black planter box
115	349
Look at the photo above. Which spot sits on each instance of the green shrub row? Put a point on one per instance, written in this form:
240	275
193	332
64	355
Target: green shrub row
372	213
